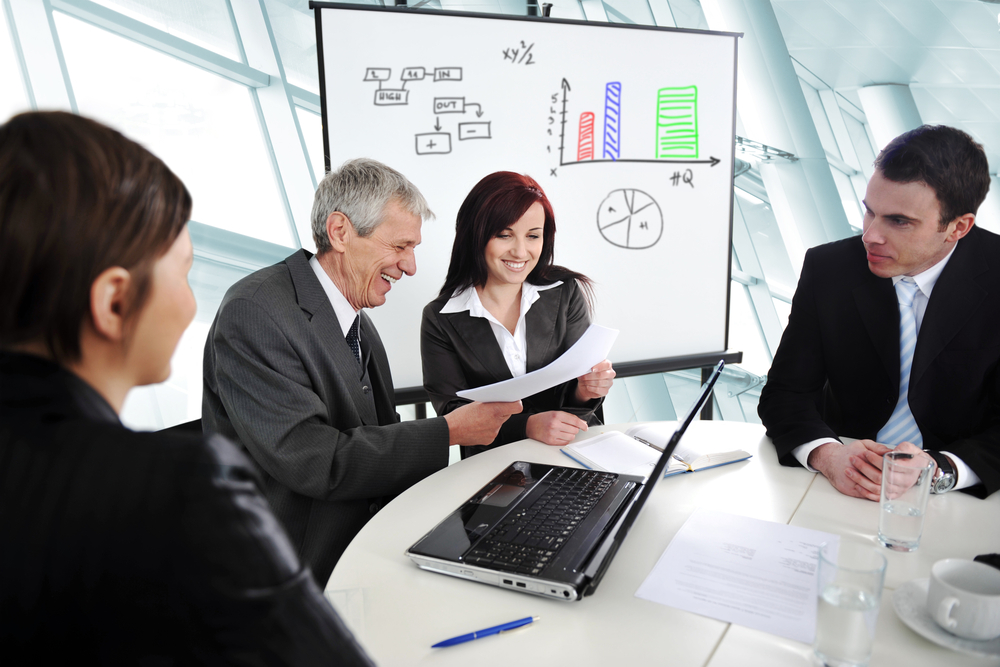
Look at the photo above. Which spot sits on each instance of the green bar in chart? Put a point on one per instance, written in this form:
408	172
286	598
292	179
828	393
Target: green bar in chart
677	122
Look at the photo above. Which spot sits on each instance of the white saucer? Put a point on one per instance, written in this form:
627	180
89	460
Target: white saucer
910	603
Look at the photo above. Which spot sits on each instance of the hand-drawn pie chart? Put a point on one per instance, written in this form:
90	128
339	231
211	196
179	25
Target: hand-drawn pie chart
630	219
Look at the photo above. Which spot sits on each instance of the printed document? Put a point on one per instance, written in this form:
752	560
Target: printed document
755	573
592	348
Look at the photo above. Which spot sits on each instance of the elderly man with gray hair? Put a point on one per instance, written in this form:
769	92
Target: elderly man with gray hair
296	374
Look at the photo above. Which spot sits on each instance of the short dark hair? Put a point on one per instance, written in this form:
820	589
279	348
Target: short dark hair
946	159
76	198
494	204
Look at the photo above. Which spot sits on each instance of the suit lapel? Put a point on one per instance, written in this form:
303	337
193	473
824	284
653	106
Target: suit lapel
541	324
314	301
876	301
956	297
480	340
378	373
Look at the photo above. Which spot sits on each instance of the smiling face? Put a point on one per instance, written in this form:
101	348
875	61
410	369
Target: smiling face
373	264
902	231
513	253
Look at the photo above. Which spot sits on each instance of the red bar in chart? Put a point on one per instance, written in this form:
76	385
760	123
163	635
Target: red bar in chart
585	145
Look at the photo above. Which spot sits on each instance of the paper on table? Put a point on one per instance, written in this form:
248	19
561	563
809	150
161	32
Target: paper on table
755	573
591	349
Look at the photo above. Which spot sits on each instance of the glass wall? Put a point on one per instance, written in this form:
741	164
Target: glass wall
181	77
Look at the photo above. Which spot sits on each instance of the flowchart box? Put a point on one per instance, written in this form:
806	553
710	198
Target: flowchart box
449	105
480	130
413	73
447	73
377	73
433	142
386	97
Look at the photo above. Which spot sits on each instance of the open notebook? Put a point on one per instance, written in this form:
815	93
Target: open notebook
636	451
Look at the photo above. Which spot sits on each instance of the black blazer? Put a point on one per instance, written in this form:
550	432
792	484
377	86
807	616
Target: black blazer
141	548
459	352
836	371
281	381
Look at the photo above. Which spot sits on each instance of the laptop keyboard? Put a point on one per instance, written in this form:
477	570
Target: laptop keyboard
527	540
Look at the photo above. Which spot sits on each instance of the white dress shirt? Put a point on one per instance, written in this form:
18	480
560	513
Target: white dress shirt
342	308
514	347
925	285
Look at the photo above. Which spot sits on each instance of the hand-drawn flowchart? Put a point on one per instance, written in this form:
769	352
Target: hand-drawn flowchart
437	142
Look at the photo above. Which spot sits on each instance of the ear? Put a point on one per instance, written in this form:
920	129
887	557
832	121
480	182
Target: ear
339	230
961	226
108	301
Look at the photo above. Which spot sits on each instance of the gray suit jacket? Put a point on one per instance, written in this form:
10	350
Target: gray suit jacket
459	351
281	381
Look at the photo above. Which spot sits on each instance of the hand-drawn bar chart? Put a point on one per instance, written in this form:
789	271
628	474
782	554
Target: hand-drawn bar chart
673	123
677	122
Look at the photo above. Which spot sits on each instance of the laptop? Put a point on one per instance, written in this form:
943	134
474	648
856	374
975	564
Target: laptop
544	529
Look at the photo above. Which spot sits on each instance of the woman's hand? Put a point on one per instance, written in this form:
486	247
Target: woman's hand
595	384
554	427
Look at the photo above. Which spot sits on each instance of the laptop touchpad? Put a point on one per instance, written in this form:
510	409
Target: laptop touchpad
501	495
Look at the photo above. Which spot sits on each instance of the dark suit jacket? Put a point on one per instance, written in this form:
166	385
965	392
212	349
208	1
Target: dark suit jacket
459	352
282	382
141	548
836	371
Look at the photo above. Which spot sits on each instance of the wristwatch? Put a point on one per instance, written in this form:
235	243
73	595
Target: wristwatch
944	477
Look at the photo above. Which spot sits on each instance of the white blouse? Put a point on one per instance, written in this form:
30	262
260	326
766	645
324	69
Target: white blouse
514	347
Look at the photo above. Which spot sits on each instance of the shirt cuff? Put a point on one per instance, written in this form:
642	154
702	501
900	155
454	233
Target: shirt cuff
802	452
966	477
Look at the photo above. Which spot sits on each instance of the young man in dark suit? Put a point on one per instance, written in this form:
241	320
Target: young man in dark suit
894	336
296	373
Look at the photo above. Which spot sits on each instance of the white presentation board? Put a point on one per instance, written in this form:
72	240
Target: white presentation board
628	129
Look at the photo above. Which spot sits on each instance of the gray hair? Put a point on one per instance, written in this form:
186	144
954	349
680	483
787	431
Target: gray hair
361	189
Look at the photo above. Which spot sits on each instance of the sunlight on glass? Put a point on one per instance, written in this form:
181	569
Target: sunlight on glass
312	132
744	332
294	27
206	23
202	125
14	98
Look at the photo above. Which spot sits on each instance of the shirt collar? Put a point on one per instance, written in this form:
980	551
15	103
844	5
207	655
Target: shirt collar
342	308
468	299
927	278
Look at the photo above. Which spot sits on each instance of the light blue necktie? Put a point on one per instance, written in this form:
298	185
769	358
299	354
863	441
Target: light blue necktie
901	426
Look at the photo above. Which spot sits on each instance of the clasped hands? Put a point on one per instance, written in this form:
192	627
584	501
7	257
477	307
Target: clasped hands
856	469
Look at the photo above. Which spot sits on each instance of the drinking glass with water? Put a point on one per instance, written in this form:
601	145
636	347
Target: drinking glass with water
849	589
906	485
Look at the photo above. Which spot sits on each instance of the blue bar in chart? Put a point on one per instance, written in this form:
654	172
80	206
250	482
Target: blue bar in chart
612	120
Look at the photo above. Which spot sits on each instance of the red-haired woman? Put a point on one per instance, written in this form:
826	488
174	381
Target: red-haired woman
505	310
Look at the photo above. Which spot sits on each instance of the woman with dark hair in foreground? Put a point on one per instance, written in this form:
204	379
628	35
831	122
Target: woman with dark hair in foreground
505	310
121	547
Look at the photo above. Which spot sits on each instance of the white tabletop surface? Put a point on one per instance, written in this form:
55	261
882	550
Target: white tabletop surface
397	610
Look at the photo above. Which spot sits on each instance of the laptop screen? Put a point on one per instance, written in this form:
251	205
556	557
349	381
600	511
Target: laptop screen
654	477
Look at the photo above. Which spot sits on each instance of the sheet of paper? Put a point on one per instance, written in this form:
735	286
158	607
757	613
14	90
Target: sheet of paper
592	348
746	571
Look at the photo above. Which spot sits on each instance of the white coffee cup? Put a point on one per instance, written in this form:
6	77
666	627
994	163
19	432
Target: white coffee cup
964	598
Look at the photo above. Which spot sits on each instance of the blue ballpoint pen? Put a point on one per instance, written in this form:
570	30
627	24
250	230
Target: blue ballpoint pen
497	629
